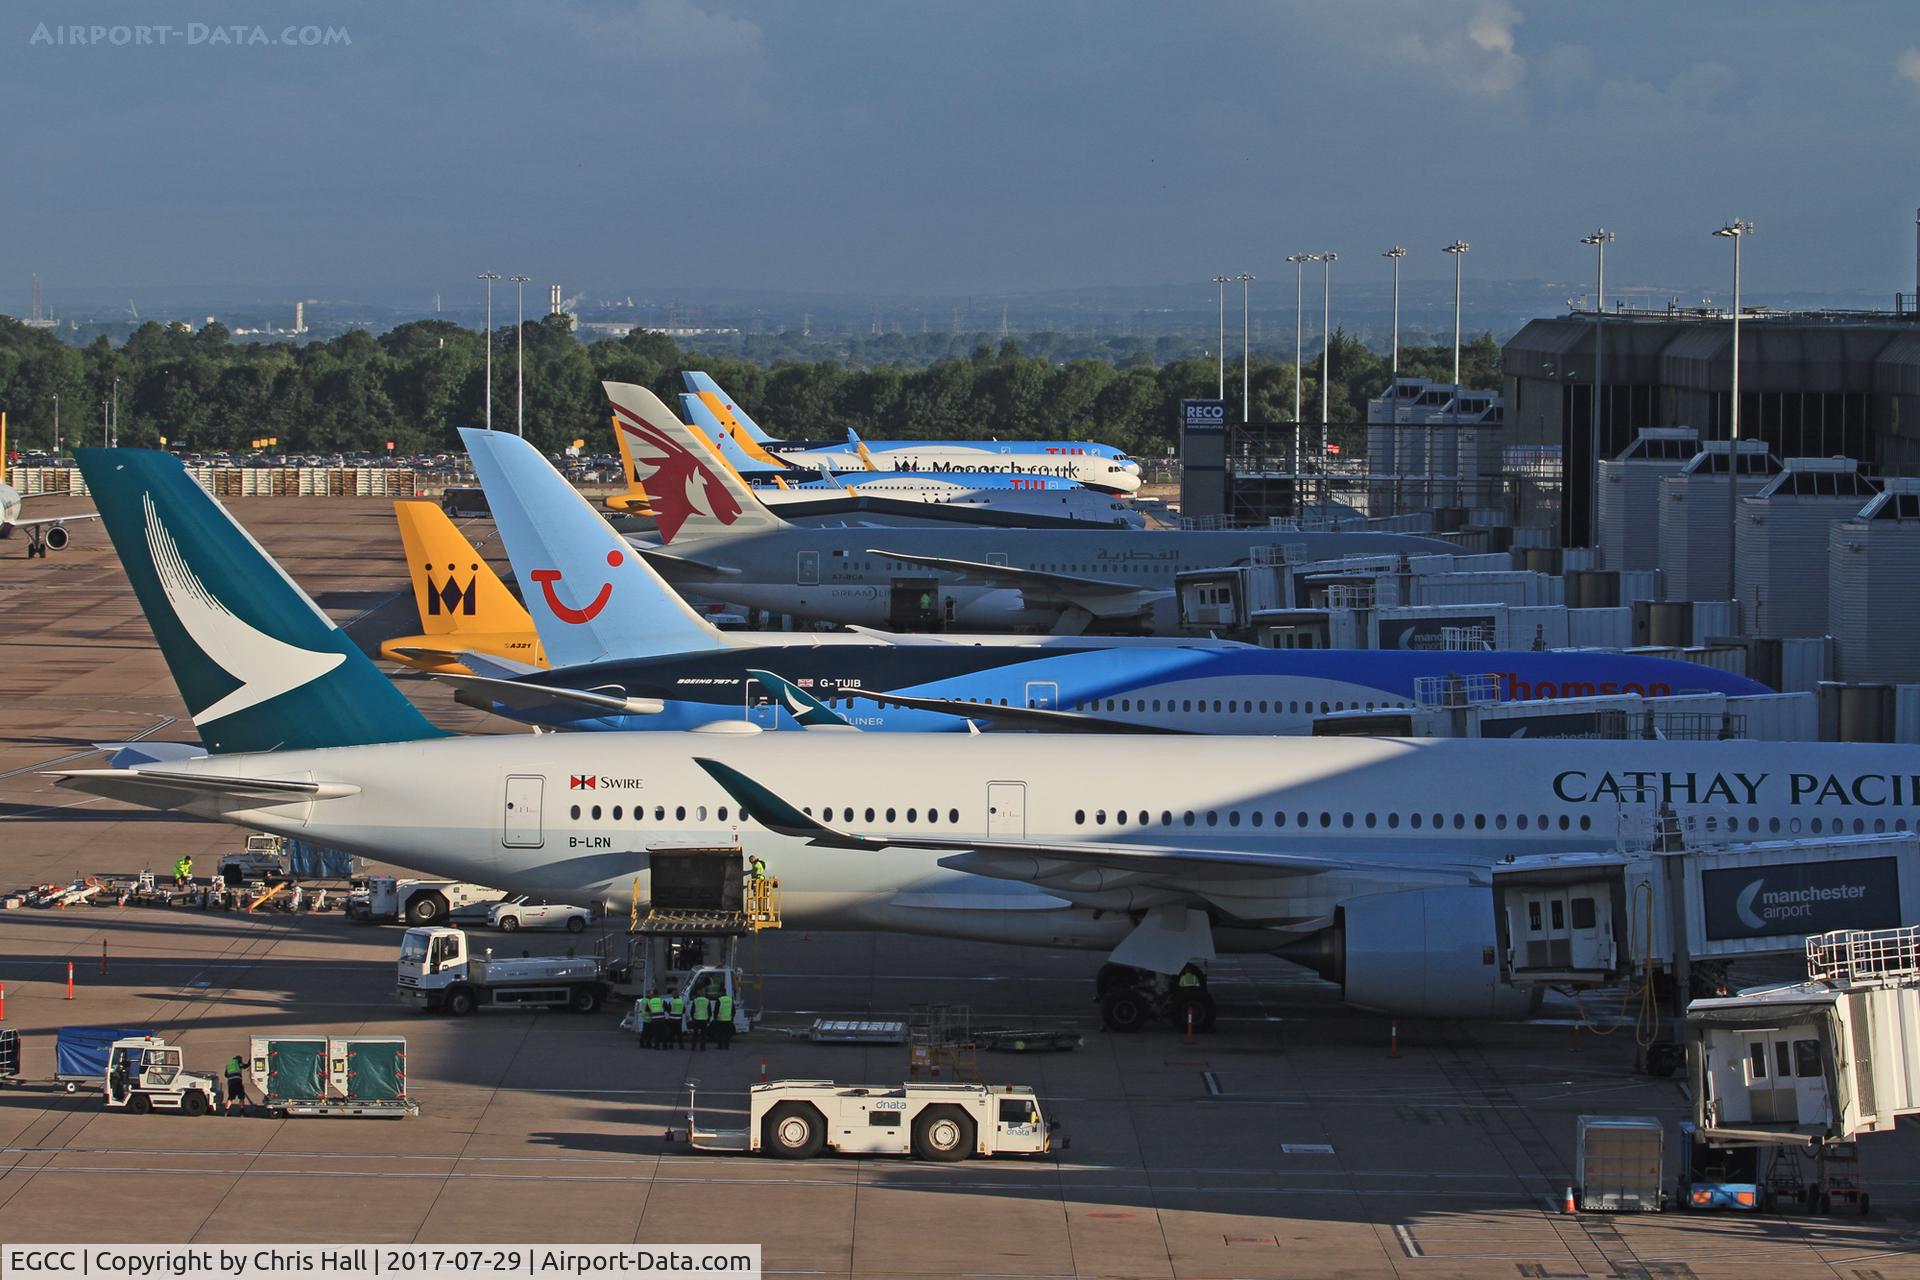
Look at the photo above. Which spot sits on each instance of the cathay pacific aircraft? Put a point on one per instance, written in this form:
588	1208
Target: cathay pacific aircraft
1368	855
629	654
721	541
1098	466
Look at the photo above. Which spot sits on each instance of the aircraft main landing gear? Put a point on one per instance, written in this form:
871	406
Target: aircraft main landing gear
1130	998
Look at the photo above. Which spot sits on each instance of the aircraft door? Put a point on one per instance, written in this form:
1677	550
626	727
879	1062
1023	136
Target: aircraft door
1007	810
806	569
1043	695
520	819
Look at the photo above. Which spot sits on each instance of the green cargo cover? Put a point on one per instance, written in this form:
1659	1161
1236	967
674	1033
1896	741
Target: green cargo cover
296	1069
376	1070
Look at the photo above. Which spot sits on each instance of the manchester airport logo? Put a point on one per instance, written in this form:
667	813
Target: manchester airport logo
450	598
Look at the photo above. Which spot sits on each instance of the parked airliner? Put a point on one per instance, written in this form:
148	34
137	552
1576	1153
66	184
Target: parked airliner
622	639
1372	851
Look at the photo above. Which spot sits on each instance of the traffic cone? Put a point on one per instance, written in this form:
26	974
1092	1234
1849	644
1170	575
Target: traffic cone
1566	1205
1393	1040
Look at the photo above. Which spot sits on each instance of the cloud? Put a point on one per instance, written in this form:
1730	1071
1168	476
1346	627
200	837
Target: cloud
1907	66
1472	51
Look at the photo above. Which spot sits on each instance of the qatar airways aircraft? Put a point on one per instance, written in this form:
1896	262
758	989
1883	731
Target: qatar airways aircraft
1372	854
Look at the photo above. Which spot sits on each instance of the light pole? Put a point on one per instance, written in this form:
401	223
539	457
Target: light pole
520	356
105	442
1396	253
1246	347
1599	240
114	431
1327	260
1735	231
1299	261
56	426
1222	282
1457	249
489	277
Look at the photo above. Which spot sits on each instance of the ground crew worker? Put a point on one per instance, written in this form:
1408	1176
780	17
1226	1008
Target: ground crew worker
702	1018
643	1014
677	1020
236	1085
182	871
653	1030
1190	978
723	1021
757	868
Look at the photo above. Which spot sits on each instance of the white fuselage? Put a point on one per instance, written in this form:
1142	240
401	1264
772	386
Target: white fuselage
1093	470
9	505
514	812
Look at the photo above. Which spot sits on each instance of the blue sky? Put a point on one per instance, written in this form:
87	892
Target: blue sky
956	147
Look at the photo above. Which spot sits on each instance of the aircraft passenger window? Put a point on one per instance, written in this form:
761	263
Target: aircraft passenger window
1263	706
1326	819
1586	822
1372	819
1815	826
1166	817
1565	822
1109	704
574	813
1126	704
953	816
1233	705
1806	1059
1100	817
1859	825
722	814
1479	822
1079	817
1216	705
1256	817
1879	824
1583	913
680	813
596	813
1323	708
1213	817
1713	822
1459	821
1187	817
1773	826
869	815
911	813
889	815
1414	820
700	814
1233	817
1543	822
1521	822
1393	821
1346	820
1186	704
1279	817
1156	704
1294	706
846	815
659	813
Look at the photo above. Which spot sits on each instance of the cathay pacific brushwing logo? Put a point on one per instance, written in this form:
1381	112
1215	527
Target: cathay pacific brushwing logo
264	666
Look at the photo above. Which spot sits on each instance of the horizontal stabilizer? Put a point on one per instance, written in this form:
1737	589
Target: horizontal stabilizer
485	692
1100	597
125	755
128	783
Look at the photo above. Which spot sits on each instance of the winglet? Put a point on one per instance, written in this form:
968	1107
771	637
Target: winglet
860	447
807	711
775	814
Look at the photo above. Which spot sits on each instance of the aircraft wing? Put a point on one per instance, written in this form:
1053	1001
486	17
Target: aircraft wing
40	520
138	785
1067	866
523	695
1101	597
1032	719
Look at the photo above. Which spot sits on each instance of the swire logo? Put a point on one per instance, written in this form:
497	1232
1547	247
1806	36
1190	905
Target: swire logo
583	781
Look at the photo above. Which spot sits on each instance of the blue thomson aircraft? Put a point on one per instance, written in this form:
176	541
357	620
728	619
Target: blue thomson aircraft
627	653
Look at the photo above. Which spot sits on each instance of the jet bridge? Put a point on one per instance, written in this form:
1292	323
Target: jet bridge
1597	919
1824	1060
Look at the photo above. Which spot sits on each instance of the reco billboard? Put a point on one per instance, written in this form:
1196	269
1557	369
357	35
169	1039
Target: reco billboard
1203	415
1801	898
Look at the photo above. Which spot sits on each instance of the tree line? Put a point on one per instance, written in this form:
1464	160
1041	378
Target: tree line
416	384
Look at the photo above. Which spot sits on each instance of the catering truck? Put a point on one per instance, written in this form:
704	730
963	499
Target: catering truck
438	971
798	1119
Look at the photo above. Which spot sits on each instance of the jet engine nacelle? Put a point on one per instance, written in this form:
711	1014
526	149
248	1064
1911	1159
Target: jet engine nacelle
1427	953
56	537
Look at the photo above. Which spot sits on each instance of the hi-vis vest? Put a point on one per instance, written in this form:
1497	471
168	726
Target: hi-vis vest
726	1008
700	1007
678	1004
655	1006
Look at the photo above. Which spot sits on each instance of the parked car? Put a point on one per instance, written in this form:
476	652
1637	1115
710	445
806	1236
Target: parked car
524	912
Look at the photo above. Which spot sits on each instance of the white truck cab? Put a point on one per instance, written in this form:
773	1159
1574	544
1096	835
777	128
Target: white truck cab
798	1119
437	970
145	1073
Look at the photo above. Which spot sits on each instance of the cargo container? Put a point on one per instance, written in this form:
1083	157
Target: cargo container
1619	1164
332	1076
